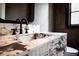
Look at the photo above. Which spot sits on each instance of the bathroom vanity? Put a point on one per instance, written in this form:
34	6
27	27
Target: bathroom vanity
36	44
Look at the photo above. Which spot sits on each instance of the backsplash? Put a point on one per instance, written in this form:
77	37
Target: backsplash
9	26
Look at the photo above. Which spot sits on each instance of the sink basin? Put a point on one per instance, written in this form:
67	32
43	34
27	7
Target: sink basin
32	36
24	38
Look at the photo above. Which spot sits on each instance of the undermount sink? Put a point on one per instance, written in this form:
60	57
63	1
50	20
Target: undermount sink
33	36
24	38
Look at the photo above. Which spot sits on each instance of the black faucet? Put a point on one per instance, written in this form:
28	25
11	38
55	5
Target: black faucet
21	22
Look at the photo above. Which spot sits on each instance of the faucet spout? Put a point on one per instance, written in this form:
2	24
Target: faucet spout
26	22
21	22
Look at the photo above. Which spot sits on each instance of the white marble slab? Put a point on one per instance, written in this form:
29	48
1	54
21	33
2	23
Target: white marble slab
54	45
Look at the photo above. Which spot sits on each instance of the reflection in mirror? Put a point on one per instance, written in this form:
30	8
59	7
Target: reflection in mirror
13	11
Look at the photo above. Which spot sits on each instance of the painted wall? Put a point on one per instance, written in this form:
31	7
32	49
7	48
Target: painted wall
43	16
50	20
2	10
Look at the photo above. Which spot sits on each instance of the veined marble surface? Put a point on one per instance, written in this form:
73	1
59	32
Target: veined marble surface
54	45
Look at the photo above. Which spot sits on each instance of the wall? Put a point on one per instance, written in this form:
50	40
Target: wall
60	26
43	16
2	10
50	16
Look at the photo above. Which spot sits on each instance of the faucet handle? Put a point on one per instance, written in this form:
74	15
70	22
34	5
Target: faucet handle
26	28
14	31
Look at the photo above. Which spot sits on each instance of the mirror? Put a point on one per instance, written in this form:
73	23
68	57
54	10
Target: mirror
73	14
13	11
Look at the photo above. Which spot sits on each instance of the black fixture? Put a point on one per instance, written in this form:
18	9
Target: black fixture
14	31
21	22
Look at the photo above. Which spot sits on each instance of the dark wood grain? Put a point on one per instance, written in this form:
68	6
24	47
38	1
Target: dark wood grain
60	22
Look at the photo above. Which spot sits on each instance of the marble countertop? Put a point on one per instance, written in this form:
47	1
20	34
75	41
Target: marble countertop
53	40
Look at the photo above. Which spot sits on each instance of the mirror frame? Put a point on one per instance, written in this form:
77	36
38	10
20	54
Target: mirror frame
9	21
30	16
